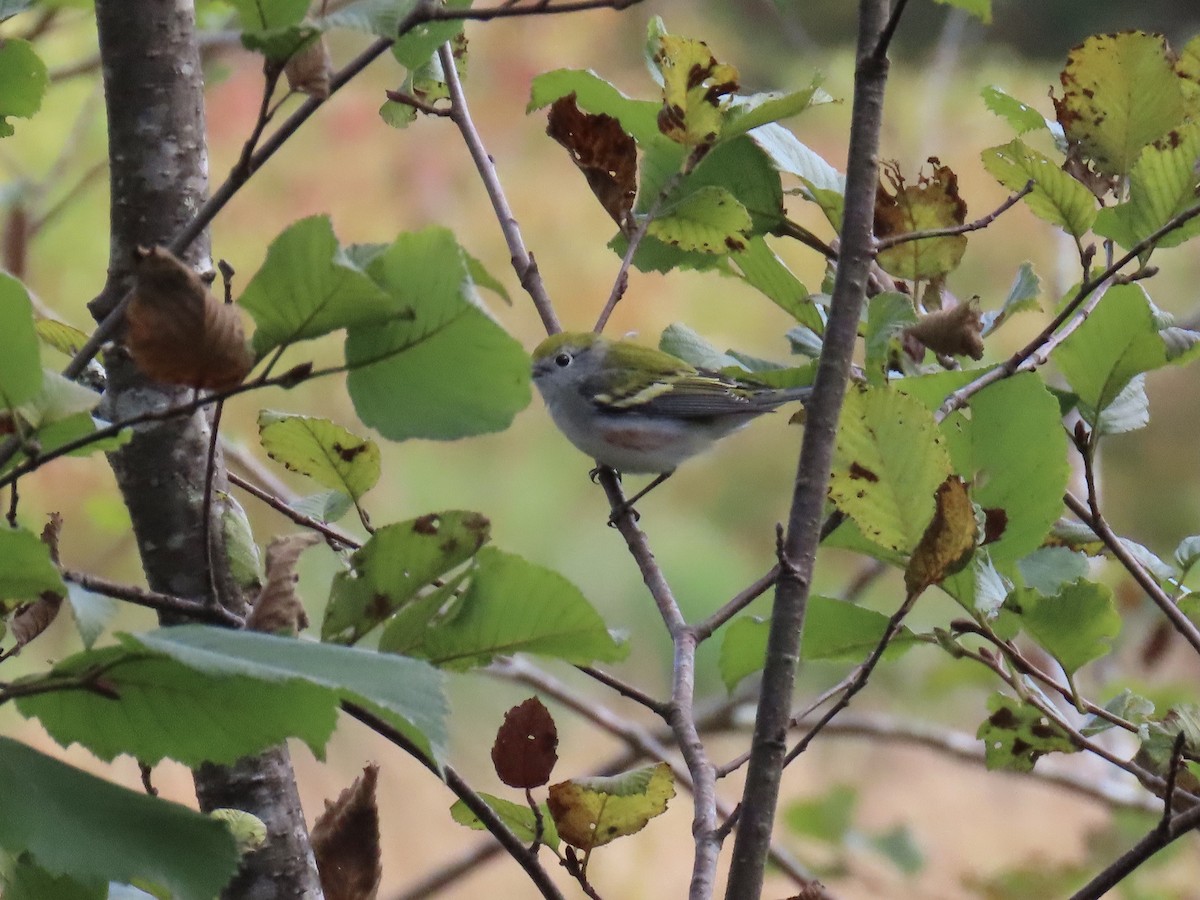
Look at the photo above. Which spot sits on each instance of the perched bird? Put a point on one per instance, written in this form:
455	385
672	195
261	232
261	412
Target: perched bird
640	410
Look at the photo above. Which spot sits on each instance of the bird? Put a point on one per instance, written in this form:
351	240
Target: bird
638	410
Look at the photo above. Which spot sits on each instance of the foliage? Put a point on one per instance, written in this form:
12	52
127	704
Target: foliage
950	471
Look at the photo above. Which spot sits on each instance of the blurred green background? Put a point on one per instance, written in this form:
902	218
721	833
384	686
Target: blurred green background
713	525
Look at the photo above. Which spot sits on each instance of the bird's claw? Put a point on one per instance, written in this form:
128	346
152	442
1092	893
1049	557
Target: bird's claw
620	512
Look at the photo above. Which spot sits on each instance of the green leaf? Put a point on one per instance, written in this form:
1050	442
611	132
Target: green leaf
1018	475
1020	116
1056	197
92	613
980	9
417	47
1162	184
835	629
1128	705
20	360
59	399
66	339
743	649
826	818
24	77
88	829
1048	569
1187	554
1022	297
280	44
1075	626
73	428
308	287
513	606
325	506
898	846
1016	734
709	220
327	453
25	880
888	314
679	340
1121	92
517	816
259	15
752	111
403	692
763	270
824	185
1121	338
26	570
253	690
591	812
1128	411
890	458
458	371
593	94
394	565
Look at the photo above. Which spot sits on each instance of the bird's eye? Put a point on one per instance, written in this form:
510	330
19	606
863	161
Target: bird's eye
562	360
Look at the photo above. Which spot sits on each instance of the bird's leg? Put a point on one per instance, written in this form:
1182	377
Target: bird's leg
627	507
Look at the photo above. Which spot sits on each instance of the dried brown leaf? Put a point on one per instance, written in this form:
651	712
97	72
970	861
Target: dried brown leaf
948	542
526	746
308	70
345	841
178	332
604	153
955	331
278	610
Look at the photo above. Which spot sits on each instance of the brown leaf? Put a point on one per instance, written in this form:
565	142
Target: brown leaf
31	619
278	610
345	841
956	331
932	203
602	150
526	745
948	542
50	533
309	69
178	332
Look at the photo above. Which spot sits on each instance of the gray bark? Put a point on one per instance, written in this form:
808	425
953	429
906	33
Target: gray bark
159	170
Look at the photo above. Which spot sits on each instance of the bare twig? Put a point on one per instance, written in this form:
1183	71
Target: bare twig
628	691
335	536
704	630
193	609
522	260
1155	840
1145	580
1035	351
761	791
978	224
621	282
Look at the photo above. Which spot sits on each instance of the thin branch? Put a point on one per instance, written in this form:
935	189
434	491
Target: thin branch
335	536
621	282
704	630
286	380
1145	580
1155	840
511	843
628	691
163	603
966	747
1018	361
887	243
680	713
889	31
760	794
522	260
534	8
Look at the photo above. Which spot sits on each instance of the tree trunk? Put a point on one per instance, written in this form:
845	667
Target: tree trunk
159	169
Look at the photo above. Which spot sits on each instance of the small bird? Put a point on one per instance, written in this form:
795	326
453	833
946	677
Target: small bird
639	410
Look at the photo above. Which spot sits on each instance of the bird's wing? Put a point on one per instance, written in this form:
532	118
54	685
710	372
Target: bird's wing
695	396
